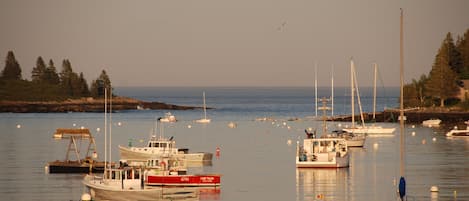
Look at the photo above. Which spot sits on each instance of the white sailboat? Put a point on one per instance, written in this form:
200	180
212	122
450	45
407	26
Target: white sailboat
373	129
204	120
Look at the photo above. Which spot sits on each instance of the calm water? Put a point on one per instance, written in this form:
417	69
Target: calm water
256	162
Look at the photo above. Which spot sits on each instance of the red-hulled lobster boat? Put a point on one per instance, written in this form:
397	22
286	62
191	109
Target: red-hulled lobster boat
184	180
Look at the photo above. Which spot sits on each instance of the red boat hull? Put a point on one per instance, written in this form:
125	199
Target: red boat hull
184	180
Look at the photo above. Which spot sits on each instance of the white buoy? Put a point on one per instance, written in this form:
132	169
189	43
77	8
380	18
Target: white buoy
434	189
189	126
284	123
310	129
413	126
82	127
413	133
98	129
18	125
434	139
339	125
119	123
375	145
86	197
288	142
288	127
232	125
74	125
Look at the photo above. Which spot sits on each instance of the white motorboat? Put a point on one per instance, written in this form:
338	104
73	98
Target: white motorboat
168	117
322	153
157	147
431	122
459	133
130	183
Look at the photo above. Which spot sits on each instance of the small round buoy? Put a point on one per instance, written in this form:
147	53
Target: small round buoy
119	123
284	123
339	125
289	142
288	127
74	125
189	126
424	141
375	145
434	139
98	129
232	125
310	129
82	127
18	125
413	133
413	126
434	189
86	197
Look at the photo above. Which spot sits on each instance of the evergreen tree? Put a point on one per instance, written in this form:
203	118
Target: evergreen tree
51	75
419	86
442	80
463	48
83	86
455	61
97	86
38	73
12	70
67	77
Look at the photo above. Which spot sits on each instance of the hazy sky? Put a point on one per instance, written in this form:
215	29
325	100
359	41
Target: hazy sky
229	43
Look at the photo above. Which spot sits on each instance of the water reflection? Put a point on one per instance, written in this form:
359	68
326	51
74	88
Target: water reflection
322	183
163	194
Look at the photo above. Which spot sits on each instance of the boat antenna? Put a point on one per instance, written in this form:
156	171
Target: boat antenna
332	91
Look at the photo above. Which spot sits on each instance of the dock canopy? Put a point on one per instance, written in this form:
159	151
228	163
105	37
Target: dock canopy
66	133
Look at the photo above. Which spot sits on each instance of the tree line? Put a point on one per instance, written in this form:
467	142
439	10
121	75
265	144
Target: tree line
46	83
442	86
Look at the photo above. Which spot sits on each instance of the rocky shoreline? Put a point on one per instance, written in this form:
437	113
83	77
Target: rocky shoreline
415	117
85	105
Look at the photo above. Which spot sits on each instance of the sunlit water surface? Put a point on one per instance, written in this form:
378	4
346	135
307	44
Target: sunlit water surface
256	161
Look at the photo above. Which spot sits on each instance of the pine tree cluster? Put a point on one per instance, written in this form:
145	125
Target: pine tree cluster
46	84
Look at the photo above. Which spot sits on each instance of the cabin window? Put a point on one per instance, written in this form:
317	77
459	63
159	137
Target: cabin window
137	174
157	144
149	144
163	145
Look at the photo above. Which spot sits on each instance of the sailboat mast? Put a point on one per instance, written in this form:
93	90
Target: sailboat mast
332	91
374	93
205	110
105	132
110	126
402	169
316	88
352	95
402	182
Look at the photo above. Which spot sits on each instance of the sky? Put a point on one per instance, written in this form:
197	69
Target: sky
230	43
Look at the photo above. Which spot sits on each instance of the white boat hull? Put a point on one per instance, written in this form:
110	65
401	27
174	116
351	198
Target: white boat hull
371	130
129	154
133	191
336	162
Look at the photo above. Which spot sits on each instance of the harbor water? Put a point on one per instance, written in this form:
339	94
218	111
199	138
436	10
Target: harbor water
257	158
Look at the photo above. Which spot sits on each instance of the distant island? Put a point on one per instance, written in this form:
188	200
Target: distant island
67	91
85	105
